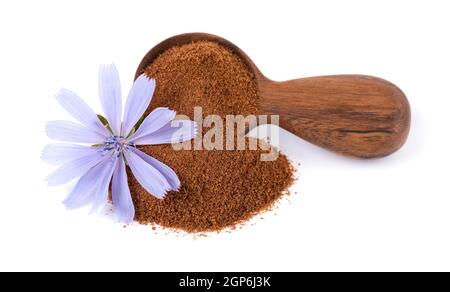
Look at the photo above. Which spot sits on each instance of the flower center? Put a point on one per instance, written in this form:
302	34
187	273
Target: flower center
114	145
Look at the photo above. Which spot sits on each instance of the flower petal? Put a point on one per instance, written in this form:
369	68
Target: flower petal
74	169
110	95
154	121
86	187
75	106
121	197
72	132
165	170
174	132
101	195
139	98
150	178
60	153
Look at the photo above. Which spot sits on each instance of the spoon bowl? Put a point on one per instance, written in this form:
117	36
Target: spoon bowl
356	115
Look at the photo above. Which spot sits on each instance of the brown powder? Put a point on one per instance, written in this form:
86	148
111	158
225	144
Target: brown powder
218	188
203	74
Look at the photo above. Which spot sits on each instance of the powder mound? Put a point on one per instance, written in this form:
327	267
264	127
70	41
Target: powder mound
219	189
203	74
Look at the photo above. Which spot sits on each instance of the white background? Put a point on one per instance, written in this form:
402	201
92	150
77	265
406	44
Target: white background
349	215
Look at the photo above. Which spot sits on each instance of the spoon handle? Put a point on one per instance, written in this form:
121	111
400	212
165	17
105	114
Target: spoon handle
355	115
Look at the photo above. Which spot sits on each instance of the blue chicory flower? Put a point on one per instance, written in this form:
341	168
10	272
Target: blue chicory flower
113	145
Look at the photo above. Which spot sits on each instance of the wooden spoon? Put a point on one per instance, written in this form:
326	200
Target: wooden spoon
355	115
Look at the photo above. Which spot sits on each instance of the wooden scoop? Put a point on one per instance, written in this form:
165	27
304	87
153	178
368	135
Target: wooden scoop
355	115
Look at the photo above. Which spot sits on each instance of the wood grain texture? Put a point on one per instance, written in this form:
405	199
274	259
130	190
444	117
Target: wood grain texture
356	115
